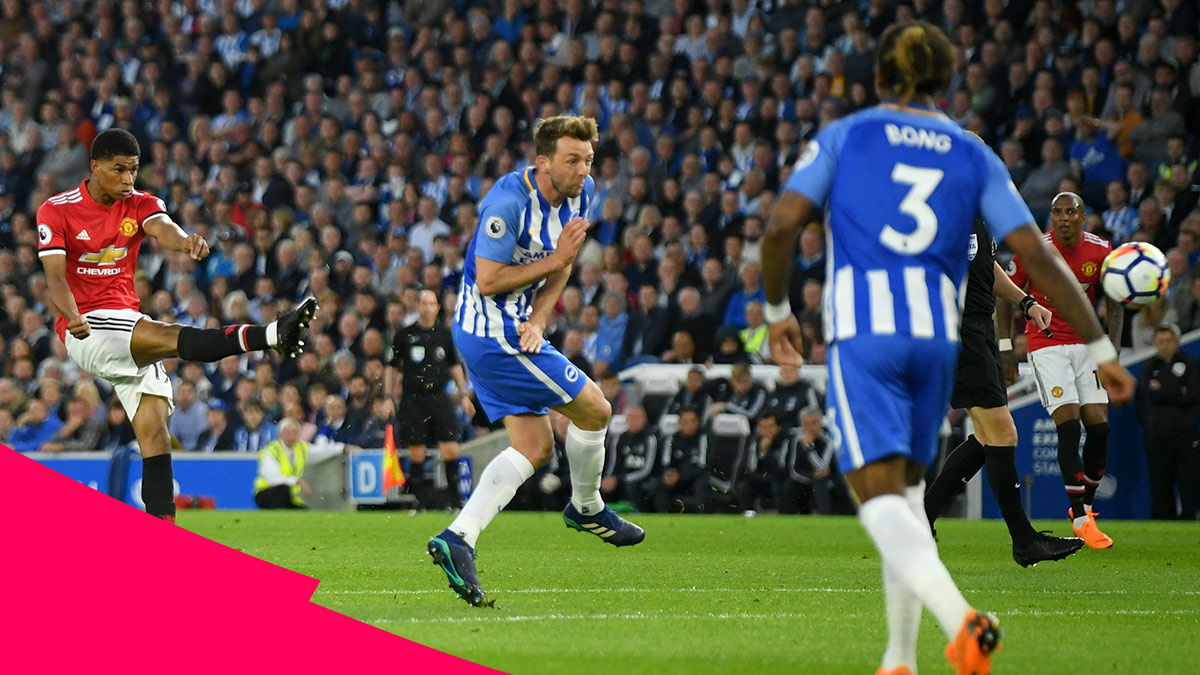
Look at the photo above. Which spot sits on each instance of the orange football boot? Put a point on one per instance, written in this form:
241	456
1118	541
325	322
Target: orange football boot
1090	532
971	651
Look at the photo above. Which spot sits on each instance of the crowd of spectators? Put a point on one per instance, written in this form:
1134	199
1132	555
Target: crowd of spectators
340	149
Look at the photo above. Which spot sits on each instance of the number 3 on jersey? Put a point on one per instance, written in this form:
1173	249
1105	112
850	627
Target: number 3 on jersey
923	182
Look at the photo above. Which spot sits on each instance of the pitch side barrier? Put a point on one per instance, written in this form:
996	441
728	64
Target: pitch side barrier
653	377
225	480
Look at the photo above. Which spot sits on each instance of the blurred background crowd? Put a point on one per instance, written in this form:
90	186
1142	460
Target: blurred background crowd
340	149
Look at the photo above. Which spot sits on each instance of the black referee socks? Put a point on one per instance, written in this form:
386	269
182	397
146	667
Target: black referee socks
158	486
963	462
1006	486
213	344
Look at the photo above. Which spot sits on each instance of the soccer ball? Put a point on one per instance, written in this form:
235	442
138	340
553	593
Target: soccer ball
1135	274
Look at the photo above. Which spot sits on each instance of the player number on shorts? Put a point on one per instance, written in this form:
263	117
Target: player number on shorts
923	182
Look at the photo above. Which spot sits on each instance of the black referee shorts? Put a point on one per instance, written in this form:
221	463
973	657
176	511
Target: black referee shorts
979	380
426	419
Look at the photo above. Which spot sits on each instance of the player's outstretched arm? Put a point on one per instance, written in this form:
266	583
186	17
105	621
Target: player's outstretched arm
1048	272
492	277
1004	333
173	238
1006	290
778	247
61	296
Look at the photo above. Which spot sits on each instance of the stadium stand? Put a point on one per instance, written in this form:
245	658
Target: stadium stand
339	149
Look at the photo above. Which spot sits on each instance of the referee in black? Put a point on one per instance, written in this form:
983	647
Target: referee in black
980	388
423	360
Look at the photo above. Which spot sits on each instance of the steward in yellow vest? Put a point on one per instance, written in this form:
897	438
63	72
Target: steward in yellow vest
754	335
280	482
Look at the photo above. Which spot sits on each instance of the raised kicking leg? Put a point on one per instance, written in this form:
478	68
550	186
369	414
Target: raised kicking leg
154	340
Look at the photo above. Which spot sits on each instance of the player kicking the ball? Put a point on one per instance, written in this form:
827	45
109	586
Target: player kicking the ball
1067	376
902	186
518	262
88	240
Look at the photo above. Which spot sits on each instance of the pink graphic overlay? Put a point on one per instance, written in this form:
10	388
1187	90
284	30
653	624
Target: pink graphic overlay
93	585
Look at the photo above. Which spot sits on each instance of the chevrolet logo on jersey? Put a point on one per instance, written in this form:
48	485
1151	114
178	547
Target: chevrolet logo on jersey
108	256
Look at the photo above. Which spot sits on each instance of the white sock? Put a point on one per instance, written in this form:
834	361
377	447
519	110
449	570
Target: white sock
1080	521
273	334
497	485
903	607
906	545
585	455
903	621
915	496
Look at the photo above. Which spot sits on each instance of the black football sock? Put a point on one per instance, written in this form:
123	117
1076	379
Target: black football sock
451	472
1071	465
963	462
1095	460
158	486
1006	486
416	471
213	344
452	481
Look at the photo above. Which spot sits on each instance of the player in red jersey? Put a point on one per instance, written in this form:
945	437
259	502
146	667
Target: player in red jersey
1065	369
88	242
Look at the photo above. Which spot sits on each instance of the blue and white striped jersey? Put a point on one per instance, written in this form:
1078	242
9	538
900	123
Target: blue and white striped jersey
517	226
902	188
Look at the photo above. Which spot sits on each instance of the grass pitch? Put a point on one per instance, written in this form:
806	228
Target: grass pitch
726	594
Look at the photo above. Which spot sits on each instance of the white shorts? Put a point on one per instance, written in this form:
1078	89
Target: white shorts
1067	374
105	353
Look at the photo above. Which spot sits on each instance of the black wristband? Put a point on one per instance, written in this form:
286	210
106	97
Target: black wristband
1027	302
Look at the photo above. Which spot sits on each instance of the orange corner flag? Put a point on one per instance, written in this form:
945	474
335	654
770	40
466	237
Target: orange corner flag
393	473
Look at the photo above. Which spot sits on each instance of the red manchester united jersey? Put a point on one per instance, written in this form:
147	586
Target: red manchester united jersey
1084	260
101	245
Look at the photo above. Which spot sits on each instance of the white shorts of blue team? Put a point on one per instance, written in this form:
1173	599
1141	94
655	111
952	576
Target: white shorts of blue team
106	353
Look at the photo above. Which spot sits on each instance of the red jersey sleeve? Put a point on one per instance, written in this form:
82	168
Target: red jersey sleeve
1016	272
148	205
52	231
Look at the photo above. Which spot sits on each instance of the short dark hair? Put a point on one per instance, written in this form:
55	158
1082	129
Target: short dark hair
114	143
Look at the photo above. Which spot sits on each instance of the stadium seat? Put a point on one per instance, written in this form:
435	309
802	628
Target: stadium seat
617	426
728	425
656	394
668	425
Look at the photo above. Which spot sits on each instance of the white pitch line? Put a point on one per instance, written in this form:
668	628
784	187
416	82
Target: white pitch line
536	591
501	618
488	617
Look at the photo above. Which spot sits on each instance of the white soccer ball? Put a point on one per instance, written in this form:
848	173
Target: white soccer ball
1135	274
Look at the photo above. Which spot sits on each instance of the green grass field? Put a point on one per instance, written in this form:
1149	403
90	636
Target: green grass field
725	594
